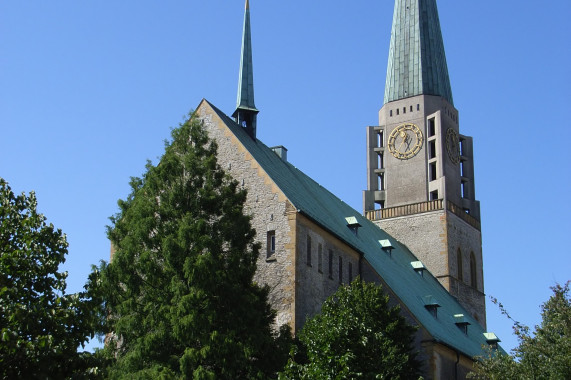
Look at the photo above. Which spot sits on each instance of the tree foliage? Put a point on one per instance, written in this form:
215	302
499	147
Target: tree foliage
179	289
41	326
545	354
356	336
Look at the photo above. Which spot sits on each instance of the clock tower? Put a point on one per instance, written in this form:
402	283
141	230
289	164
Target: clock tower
420	168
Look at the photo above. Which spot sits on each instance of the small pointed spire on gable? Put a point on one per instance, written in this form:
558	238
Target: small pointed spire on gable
246	112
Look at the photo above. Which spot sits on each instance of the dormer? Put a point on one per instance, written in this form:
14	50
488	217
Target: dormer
431	305
353	224
386	246
462	323
492	339
418	267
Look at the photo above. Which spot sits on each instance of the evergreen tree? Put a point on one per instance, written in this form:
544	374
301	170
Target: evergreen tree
544	355
41	327
356	336
179	288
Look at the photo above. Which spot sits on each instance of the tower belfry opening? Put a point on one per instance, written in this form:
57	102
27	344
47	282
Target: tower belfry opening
246	111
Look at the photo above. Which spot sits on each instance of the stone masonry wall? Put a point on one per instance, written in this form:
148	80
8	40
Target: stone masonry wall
469	240
270	211
434	238
425	236
318	278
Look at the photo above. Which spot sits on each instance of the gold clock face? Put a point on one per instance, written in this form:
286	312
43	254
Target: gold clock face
405	141
453	146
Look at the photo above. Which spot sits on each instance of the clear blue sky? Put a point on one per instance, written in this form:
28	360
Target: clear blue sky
90	89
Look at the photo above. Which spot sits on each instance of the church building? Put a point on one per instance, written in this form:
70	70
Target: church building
419	233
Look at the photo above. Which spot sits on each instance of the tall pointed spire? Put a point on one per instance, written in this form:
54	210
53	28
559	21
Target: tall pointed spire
417	62
246	112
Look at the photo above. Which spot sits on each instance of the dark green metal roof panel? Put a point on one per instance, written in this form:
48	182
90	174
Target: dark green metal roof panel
417	62
325	209
245	99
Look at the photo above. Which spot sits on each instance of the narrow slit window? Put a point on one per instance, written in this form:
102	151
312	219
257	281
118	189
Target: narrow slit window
330	264
473	273
460	265
431	127
309	250
380	161
432	149
340	269
381	184
350	271
432	171
320	258
271	244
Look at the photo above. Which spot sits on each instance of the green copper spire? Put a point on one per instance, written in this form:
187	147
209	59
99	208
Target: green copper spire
417	63
246	111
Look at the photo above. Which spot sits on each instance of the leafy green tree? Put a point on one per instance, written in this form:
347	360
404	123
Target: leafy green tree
356	336
179	288
41	327
546	354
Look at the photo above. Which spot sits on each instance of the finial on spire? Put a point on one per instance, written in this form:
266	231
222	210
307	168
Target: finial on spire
246	112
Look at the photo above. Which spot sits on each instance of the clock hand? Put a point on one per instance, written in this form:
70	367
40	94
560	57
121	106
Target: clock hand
408	141
404	136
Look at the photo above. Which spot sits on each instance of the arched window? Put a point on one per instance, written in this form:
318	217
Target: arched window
460	266
473	276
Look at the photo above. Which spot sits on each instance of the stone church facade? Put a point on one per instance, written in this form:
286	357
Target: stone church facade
419	234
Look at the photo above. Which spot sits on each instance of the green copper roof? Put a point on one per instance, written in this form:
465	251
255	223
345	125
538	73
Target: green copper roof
328	211
417	62
245	98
